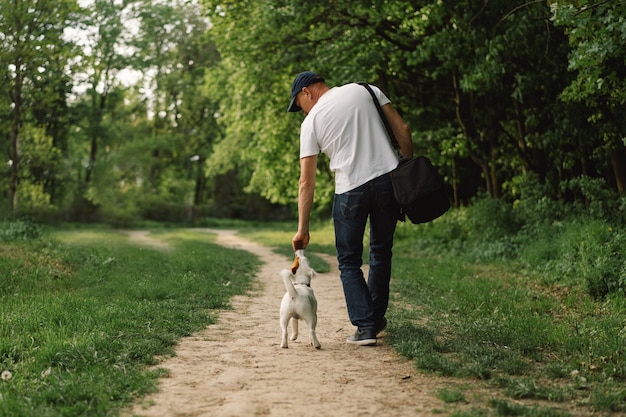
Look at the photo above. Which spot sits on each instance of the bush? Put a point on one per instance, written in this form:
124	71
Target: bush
485	230
603	262
490	219
593	198
534	202
579	250
20	229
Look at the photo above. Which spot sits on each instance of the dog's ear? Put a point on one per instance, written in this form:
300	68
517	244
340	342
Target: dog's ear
295	265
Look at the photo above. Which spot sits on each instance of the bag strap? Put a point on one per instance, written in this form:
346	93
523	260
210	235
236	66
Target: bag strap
392	137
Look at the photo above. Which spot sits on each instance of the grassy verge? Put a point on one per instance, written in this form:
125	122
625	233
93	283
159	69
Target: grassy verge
514	320
85	315
522	322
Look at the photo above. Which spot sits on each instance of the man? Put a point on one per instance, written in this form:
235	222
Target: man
343	123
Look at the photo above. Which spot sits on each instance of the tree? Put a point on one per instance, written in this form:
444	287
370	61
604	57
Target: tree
32	43
596	31
173	54
104	37
262	48
465	75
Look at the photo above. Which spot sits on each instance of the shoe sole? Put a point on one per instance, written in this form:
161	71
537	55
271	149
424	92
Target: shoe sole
362	342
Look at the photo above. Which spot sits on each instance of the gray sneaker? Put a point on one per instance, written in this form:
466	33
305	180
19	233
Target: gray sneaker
363	337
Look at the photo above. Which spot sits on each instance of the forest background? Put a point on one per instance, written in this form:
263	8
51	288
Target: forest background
117	110
120	110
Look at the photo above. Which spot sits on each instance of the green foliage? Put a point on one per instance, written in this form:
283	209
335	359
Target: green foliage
534	203
520	99
78	336
33	92
595	200
20	229
580	251
485	230
596	31
40	160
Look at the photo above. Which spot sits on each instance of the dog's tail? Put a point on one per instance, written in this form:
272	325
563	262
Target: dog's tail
286	274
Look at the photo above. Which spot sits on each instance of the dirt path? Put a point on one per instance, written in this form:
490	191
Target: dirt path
237	368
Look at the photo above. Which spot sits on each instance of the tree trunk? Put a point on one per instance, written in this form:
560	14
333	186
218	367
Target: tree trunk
92	158
95	125
618	161
15	137
493	170
455	189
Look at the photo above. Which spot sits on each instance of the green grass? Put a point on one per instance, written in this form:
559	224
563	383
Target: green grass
84	315
517	324
515	319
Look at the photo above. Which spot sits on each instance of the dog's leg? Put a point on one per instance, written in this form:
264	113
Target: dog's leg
283	327
294	328
312	337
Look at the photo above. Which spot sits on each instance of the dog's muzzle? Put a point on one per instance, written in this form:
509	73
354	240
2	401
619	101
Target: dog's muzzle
295	265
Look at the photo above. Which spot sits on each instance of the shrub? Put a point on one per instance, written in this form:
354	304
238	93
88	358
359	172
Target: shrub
579	250
491	218
534	202
593	198
596	251
20	229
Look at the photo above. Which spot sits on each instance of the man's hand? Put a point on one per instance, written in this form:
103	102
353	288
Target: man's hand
300	241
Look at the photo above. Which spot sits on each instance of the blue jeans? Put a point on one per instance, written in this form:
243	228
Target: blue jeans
366	302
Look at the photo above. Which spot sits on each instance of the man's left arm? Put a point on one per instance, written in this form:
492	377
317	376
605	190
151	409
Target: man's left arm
400	130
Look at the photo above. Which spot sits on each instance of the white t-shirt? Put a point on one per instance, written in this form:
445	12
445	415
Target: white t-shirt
345	125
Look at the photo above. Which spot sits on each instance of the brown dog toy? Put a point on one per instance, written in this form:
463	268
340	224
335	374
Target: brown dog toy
295	265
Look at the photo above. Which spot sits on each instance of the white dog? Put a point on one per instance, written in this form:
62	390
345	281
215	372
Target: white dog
299	302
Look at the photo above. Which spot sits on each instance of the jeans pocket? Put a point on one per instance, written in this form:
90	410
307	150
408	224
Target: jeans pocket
351	204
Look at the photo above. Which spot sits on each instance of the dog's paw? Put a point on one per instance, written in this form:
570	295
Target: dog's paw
314	342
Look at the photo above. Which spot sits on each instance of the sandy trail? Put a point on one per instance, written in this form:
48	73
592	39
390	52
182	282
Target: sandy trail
237	368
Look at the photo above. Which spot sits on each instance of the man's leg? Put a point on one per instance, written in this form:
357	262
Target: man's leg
383	219
350	211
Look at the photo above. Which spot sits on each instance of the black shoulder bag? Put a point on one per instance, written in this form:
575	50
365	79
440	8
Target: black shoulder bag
417	187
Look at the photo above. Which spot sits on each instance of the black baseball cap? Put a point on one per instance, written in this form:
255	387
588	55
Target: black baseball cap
304	79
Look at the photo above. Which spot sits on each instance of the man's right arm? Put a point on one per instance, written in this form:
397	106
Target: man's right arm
306	191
